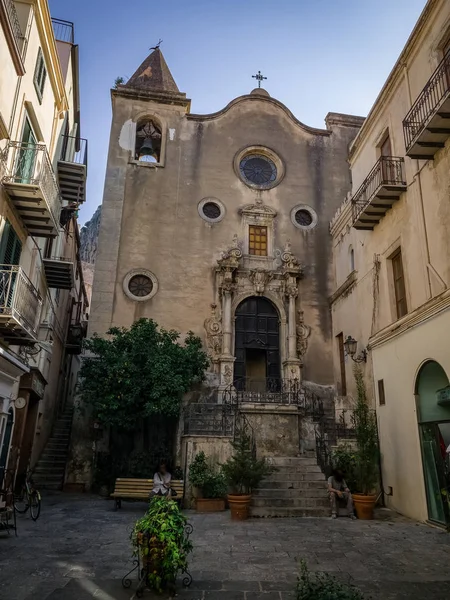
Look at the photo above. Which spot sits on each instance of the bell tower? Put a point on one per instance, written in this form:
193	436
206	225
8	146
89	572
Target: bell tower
148	111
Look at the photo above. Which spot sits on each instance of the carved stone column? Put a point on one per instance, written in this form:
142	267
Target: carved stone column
227	330
292	272
292	293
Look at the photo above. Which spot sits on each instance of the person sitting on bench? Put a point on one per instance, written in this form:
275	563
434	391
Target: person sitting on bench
338	489
161	482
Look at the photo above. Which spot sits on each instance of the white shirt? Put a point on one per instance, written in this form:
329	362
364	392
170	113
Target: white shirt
161	483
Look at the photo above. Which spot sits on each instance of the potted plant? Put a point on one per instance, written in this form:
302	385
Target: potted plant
161	539
243	472
211	484
367	455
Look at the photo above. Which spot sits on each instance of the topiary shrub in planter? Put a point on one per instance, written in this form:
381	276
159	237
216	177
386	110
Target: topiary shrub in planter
368	453
243	472
161	540
322	586
210	482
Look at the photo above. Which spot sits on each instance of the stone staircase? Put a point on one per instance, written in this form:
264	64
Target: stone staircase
51	467
297	489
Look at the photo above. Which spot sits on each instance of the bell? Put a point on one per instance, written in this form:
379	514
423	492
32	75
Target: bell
147	148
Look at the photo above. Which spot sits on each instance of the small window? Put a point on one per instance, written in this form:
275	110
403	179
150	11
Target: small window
148	142
257	243
341	349
399	285
40	75
211	210
352	260
381	396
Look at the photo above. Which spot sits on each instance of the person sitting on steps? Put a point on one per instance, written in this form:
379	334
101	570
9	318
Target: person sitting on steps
338	489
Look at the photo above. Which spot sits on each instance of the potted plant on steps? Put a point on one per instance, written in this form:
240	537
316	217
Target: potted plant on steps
243	472
210	483
160	540
367	454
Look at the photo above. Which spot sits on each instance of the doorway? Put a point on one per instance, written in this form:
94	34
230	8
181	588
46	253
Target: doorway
257	345
4	448
26	159
433	412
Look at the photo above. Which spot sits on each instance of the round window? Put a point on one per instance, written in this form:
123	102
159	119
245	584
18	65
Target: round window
258	169
140	285
304	217
211	209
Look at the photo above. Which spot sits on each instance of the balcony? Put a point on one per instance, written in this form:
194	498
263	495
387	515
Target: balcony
63	31
75	337
20	306
31	185
427	125
72	169
9	23
378	192
59	273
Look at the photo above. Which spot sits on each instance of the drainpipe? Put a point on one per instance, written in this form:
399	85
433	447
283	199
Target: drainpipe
417	176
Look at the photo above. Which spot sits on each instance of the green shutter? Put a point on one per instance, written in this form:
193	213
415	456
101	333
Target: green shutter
10	246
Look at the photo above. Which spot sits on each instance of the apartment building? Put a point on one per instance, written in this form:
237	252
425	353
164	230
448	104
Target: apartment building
391	303
43	169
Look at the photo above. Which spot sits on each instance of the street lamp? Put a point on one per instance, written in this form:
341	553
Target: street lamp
350	346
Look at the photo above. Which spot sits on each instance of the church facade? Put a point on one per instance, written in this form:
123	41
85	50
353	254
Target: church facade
219	224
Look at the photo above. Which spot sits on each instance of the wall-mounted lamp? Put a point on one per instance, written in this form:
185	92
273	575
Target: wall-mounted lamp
350	346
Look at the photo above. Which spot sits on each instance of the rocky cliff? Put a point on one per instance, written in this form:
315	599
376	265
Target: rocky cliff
89	237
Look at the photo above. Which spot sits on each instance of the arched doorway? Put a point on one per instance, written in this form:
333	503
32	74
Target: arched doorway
433	413
257	345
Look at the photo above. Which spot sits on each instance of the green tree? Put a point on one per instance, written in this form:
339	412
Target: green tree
139	372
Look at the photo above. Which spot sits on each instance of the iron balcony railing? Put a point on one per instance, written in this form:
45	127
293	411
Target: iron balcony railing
437	88
19	299
29	163
388	171
14	21
74	150
274	390
207	419
63	31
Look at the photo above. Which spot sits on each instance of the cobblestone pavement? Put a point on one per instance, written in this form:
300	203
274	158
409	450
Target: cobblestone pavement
79	549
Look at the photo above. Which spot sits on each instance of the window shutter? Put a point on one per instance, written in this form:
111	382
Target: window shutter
10	246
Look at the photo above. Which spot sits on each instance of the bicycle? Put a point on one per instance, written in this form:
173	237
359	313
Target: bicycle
28	498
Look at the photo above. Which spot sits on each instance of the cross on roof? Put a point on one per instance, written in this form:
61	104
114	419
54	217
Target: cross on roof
259	78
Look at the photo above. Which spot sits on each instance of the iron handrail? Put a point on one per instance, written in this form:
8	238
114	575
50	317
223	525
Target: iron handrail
29	163
14	21
432	95
19	298
63	30
74	150
388	171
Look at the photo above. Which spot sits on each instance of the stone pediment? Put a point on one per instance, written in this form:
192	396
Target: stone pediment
258	209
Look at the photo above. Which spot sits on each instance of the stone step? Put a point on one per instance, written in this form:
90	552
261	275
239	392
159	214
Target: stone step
289	470
63	433
277	476
48	462
289	484
290	511
57	443
291	492
52	477
45	485
49	472
299	502
285	461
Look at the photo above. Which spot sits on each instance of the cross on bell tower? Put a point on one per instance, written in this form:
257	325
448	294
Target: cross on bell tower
259	77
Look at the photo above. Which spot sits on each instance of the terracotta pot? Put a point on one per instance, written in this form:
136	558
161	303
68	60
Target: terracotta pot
239	506
210	504
364	505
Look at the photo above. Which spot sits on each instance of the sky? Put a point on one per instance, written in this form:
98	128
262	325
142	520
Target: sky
319	56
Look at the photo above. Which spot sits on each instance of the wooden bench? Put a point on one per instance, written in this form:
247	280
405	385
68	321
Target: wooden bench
139	489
